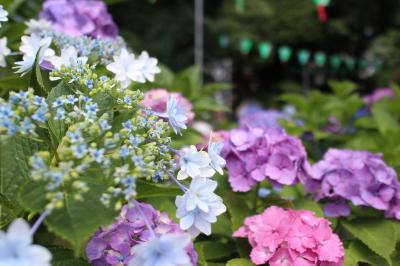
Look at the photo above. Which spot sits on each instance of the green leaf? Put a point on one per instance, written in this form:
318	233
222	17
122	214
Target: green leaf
239	262
14	172
214	250
307	204
378	234
65	257
358	252
149	190
237	208
342	88
76	221
201	259
57	127
384	119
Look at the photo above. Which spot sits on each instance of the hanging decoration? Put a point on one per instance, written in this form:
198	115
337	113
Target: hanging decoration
320	58
350	63
303	56
321	9
223	41
284	53
264	50
239	6
245	45
335	61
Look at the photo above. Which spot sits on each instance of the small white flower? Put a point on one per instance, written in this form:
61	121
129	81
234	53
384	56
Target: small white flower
217	162
177	115
30	48
69	57
16	247
4	51
3	15
194	163
37	26
199	207
167	250
126	68
149	66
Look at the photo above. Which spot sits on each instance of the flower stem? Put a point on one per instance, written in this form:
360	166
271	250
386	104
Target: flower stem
146	221
179	184
39	221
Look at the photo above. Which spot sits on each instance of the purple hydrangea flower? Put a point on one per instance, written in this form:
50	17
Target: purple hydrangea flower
255	154
377	95
80	17
261	119
112	245
359	177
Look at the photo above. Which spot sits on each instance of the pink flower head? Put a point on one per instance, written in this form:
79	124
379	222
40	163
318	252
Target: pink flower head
156	100
378	95
112	245
359	177
80	17
284	238
255	154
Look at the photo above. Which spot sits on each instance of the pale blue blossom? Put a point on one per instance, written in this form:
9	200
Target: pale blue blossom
194	163
167	250
177	115
16	248
214	151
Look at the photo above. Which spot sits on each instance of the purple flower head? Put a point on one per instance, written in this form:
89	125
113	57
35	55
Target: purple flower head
255	154
377	95
359	177
80	17
112	245
262	119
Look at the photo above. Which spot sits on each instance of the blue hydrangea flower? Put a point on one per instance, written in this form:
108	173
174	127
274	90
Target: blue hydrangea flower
177	115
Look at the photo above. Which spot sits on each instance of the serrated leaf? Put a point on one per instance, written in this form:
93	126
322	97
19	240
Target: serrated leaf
239	262
238	209
357	252
14	172
384	119
76	221
377	234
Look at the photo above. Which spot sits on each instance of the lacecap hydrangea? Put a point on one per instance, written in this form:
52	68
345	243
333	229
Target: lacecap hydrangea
291	237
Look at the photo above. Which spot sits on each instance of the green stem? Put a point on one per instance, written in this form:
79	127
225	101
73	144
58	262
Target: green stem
255	198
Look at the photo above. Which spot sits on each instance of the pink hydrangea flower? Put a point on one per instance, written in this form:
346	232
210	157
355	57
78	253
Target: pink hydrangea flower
255	154
156	100
378	95
290	237
112	245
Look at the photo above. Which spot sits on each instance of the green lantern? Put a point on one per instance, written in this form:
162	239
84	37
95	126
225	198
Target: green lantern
363	63
303	56
350	63
245	45
239	6
284	53
322	2
320	58
223	41
335	61
264	49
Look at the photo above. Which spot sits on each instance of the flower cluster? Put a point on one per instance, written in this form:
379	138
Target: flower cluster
254	154
360	177
113	245
99	50
261	119
378	95
156	100
16	247
80	17
127	68
22	113
291	237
